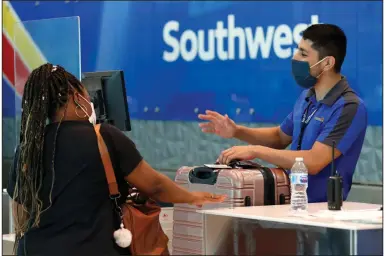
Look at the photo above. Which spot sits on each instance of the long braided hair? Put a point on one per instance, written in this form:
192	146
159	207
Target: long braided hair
47	89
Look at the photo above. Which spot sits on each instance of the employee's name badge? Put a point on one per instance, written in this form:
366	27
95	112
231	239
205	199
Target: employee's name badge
320	119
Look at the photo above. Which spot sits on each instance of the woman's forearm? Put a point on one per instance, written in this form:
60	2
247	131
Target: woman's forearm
168	191
157	186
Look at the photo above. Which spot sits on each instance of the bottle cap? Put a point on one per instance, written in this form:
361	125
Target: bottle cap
298	159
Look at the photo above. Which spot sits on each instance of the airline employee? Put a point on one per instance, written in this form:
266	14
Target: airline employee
327	110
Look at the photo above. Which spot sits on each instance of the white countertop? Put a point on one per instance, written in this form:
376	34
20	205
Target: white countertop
8	244
281	213
9	237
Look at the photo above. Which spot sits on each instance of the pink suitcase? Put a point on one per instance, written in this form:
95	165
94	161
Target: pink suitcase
246	184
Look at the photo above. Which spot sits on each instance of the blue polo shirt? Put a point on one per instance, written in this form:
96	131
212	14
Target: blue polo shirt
340	116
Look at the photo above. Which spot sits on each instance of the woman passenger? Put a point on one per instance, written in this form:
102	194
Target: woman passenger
60	194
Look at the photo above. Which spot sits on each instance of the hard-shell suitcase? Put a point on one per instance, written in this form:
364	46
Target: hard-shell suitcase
245	184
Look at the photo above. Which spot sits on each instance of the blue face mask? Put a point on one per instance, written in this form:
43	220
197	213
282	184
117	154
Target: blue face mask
302	75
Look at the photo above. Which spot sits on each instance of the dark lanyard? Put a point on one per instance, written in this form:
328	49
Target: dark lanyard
305	122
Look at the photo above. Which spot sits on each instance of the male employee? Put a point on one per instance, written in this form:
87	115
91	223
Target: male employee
327	110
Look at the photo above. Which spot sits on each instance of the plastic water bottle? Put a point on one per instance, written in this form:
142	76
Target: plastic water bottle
299	184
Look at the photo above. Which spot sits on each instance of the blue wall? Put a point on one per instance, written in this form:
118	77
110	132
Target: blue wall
133	36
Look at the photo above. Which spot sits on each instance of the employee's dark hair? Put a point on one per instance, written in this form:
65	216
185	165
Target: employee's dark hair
328	40
47	89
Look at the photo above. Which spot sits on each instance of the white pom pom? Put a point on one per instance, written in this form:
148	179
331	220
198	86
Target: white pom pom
123	237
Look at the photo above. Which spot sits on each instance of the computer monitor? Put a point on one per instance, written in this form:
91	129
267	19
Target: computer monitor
108	93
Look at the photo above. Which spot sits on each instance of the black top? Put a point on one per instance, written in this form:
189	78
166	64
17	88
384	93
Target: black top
81	220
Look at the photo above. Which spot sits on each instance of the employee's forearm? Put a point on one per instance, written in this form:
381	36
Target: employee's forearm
268	137
286	158
169	192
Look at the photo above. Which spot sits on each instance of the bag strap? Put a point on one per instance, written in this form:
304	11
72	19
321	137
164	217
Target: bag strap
108	167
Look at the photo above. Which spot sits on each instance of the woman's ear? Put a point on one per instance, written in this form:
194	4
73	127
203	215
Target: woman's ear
77	98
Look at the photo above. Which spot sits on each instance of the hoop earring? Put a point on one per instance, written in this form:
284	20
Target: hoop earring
79	106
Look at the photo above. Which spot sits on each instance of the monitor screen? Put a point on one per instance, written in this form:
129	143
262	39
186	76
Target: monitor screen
108	93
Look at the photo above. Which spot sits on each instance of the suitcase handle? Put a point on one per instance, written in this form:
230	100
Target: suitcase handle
244	164
203	175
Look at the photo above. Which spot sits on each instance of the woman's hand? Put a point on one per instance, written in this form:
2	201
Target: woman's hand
200	198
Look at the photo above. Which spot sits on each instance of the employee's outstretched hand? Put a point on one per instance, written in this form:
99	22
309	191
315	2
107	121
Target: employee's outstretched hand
237	152
200	198
218	124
